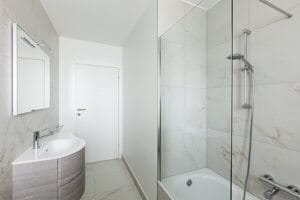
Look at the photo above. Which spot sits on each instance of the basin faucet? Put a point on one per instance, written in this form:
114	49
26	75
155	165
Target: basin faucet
37	136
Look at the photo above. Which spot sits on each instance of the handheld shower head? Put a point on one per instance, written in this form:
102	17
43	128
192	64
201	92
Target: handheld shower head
235	57
242	58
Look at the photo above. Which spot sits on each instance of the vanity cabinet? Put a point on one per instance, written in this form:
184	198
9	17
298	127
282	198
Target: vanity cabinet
71	176
55	179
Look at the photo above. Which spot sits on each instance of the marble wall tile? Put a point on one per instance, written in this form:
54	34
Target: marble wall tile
195	150
272	51
218	66
266	158
219	24
173	109
218	152
273	46
183	93
195	110
172	153
266	55
276	116
195	23
172	58
16	132
219	109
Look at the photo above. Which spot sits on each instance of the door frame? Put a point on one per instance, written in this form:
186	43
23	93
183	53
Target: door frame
119	134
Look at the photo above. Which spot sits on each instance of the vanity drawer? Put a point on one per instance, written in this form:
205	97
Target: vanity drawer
35	181
74	189
70	167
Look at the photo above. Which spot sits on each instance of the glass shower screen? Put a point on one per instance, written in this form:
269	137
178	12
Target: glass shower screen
196	87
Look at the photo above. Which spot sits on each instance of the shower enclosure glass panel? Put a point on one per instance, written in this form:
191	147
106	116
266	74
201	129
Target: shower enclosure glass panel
196	89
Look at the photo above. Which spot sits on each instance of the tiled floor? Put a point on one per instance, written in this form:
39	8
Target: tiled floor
109	180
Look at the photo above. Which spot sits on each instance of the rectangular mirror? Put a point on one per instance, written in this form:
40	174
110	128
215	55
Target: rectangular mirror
31	74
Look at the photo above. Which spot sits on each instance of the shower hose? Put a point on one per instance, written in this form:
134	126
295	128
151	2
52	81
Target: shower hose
251	109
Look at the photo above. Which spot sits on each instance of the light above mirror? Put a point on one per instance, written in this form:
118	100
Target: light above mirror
31	73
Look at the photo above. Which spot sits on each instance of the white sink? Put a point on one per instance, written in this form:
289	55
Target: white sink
57	146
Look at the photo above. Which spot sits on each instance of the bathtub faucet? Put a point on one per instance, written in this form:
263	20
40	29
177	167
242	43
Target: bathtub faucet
269	194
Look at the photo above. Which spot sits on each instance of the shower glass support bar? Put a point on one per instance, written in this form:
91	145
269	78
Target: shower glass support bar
289	15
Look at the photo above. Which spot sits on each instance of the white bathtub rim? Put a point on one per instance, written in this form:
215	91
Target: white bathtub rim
235	187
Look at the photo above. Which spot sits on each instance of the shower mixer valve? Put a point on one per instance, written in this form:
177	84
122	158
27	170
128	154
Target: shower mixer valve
276	187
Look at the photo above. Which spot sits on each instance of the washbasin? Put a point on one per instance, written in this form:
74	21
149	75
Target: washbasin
58	147
55	147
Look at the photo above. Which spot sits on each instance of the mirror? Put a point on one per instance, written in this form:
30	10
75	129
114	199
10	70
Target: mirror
31	74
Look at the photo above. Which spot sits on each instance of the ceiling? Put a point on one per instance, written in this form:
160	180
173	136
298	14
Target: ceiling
104	21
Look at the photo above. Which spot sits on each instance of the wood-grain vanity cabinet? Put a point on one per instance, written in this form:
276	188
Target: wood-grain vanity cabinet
56	179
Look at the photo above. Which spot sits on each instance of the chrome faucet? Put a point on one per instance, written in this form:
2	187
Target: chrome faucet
269	194
37	135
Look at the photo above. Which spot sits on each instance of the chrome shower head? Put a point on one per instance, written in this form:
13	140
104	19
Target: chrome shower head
235	57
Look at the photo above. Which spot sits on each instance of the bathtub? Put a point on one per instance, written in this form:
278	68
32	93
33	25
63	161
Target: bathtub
206	185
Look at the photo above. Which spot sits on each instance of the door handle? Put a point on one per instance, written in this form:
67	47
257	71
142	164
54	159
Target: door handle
81	109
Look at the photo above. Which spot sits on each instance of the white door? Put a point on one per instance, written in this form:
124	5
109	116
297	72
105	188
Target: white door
98	111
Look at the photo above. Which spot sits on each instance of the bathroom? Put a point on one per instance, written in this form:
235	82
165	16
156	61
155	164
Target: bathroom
149	100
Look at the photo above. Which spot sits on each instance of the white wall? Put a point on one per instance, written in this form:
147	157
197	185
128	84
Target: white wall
140	100
82	52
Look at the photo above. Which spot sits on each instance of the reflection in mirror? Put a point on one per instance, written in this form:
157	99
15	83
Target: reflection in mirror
31	74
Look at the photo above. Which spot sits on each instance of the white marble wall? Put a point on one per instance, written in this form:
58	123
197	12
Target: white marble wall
16	132
274	48
183	89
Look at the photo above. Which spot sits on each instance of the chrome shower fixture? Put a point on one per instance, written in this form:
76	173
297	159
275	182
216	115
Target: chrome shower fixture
248	65
269	194
291	190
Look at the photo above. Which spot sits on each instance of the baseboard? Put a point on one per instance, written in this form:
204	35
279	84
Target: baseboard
136	181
